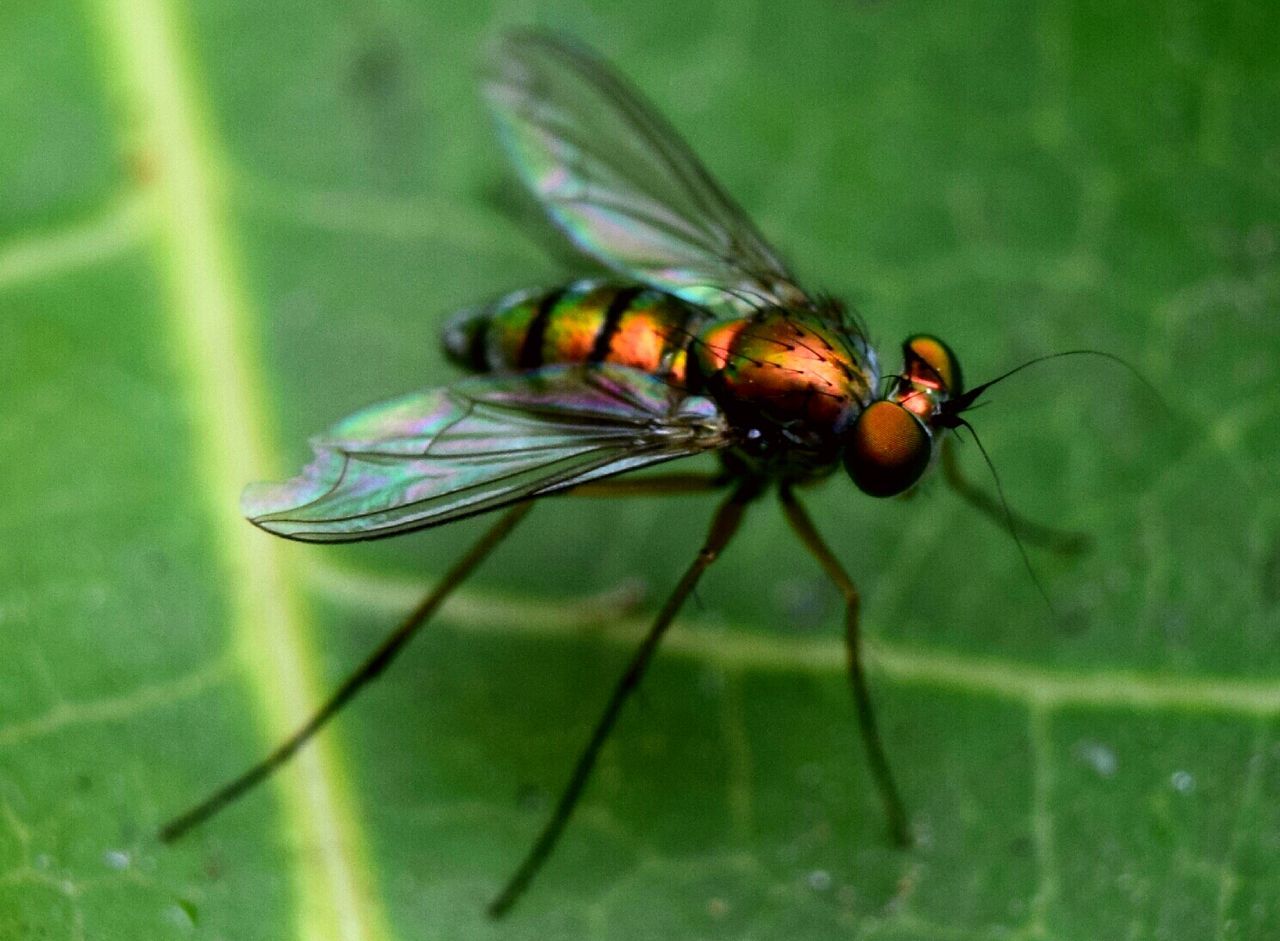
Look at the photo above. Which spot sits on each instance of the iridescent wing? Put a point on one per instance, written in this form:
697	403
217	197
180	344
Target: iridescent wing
438	455
618	180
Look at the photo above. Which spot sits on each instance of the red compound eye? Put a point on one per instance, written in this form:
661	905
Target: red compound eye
928	361
888	449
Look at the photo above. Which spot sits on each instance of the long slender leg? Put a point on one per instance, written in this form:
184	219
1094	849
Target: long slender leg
804	528
369	670
723	526
628	596
1029	531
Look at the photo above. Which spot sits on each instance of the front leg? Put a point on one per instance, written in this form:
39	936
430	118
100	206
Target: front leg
895	812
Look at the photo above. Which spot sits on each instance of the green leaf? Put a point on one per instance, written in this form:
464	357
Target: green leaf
222	226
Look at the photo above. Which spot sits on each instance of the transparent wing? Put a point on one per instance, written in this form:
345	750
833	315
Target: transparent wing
438	455
615	176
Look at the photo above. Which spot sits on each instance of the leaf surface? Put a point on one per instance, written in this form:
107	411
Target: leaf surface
223	226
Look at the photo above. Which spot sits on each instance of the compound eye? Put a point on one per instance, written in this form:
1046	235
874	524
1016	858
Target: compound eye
889	448
928	361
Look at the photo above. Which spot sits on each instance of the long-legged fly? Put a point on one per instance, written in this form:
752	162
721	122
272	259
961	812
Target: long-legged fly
701	341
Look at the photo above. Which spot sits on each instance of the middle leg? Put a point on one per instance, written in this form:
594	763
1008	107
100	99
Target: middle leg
804	528
723	526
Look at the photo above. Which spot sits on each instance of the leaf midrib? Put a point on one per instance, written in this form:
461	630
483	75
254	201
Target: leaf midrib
162	115
747	649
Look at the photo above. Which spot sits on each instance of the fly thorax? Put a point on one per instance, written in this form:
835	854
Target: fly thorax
788	377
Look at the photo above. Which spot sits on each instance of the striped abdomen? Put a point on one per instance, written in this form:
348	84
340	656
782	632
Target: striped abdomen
585	322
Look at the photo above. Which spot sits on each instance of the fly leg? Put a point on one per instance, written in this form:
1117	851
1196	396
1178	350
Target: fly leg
378	661
800	522
627	597
723	526
1063	541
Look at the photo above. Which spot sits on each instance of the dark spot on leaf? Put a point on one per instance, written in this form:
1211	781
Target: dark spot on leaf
376	71
1021	846
388	105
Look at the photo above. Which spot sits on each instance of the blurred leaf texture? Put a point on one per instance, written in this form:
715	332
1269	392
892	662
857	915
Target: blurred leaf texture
224	225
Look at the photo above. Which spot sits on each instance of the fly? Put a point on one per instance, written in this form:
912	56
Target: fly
700	342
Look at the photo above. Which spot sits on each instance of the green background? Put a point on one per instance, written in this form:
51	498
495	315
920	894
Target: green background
223	225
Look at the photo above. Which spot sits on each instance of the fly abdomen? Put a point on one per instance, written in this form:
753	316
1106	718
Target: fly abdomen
585	322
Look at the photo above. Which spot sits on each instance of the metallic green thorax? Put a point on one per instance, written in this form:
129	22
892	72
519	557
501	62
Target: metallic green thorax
791	381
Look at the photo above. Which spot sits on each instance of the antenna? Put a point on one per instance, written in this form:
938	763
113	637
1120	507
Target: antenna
1008	514
953	407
